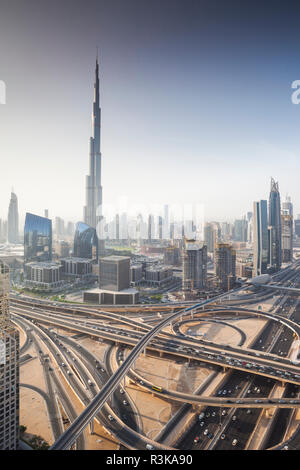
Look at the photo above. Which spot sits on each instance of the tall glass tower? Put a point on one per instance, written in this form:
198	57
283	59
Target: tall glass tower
37	238
13	220
92	209
85	242
9	369
260	237
274	227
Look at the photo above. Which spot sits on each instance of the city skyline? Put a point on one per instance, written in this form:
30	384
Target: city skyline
167	92
162	315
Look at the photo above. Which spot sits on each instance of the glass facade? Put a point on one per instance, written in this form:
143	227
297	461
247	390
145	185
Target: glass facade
275	225
85	241
260	237
114	273
37	238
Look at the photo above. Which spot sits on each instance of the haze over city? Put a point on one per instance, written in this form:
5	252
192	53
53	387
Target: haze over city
195	97
149	228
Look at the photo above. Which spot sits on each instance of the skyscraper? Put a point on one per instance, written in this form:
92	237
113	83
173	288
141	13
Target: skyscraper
240	230
274	227
13	220
212	234
37	238
150	227
92	210
9	369
85	242
194	264
287	236
260	237
166	224
225	259
288	205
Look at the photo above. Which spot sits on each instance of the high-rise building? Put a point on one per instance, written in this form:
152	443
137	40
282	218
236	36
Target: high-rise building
260	237
59	226
240	230
150	227
212	233
274	227
114	273
117	227
37	238
172	256
166	224
160	227
225	258
225	230
9	369
70	229
2	237
287	205
297	227
13	220
85	242
92	209
194	264
287	236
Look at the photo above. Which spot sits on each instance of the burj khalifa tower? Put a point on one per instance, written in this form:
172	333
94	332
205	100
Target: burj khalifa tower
92	212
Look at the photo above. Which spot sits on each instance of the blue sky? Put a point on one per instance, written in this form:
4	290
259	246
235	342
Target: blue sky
195	97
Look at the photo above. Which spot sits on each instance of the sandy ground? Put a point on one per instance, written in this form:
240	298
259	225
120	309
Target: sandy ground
155	411
33	410
220	333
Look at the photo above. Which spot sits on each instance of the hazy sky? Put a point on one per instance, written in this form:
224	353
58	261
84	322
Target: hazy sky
195	97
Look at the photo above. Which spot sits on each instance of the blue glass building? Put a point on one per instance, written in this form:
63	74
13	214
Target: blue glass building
85	241
37	238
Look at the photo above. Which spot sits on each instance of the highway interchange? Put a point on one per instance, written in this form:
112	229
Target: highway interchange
231	414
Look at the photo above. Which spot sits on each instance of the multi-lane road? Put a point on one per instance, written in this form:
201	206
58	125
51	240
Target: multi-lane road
230	414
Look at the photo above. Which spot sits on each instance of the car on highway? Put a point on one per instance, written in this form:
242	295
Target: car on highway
125	402
111	418
234	442
205	432
197	438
